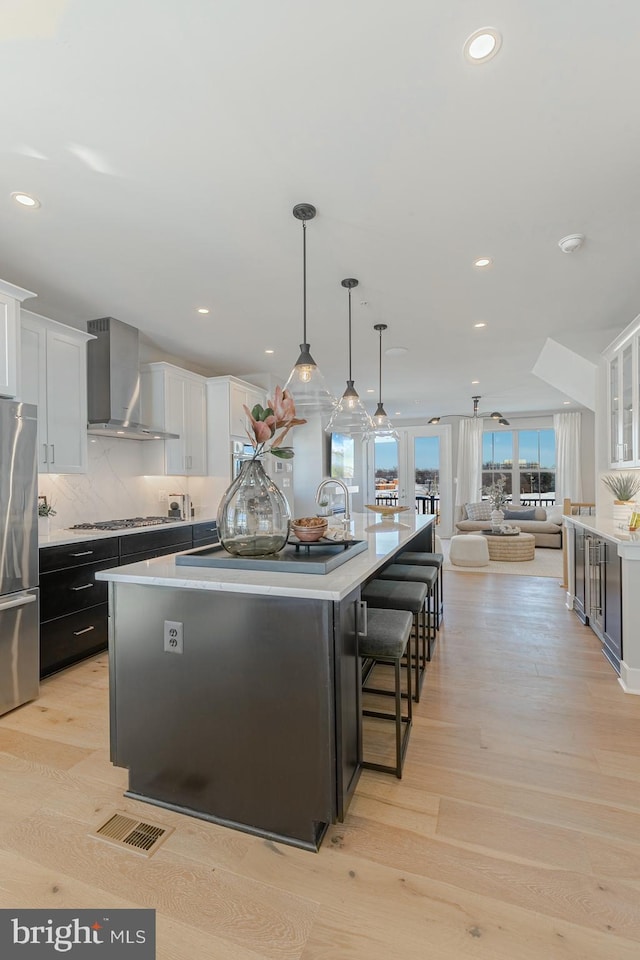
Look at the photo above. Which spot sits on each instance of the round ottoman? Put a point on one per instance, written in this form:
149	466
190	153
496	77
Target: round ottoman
469	550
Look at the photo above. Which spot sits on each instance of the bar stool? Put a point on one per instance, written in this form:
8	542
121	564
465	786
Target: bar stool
388	633
429	560
406	596
412	573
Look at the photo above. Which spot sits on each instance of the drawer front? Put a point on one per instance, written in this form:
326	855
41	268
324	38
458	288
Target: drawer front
75	554
177	537
205	533
68	639
67	591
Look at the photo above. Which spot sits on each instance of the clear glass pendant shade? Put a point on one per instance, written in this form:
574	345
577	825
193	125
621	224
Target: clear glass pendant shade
350	415
382	426
307	387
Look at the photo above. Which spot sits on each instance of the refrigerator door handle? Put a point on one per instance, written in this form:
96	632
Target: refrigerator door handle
21	601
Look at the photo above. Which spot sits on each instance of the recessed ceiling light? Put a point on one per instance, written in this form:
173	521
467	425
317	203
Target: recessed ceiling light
203	310
483	262
370	390
566	402
475	381
482	45
269	351
481	324
398	413
396	351
25	199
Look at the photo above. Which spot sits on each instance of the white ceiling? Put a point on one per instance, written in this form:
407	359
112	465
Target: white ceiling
168	143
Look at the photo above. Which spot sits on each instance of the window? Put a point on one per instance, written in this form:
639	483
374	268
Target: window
386	470
527	458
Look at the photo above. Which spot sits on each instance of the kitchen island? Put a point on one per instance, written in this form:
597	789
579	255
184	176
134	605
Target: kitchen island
235	694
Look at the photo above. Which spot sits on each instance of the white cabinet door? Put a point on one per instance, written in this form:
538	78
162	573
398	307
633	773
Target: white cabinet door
174	400
8	346
195	427
237	416
176	450
33	362
54	376
66	402
624	405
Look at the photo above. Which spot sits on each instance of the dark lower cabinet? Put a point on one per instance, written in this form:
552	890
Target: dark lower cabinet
580	575
74	612
68	639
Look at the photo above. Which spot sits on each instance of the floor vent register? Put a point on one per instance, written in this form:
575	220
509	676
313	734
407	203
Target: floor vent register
126	832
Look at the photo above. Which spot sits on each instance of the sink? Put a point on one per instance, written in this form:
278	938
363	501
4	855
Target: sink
320	557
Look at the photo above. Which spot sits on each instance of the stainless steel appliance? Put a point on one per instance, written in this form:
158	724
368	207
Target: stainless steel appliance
129	523
113	382
19	597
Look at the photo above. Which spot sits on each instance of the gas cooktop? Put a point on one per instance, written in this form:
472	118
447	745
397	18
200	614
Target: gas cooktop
127	524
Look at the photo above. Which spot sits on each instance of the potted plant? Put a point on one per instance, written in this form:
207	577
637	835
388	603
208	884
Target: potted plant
45	512
624	487
498	498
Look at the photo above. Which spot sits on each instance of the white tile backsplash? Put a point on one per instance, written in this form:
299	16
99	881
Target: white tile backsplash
114	487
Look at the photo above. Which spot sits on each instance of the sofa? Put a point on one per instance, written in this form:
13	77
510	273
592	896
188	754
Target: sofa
544	523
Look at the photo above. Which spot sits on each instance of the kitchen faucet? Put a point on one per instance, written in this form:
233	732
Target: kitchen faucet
347	501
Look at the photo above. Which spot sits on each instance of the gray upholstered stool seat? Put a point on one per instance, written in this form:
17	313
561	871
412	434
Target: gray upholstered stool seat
428	560
418	574
406	596
386	639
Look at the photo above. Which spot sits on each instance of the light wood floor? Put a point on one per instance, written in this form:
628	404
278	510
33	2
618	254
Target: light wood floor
514	834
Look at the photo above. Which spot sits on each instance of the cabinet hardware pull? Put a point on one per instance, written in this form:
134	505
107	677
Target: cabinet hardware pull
53	453
46	458
361	618
85	586
85	553
78	633
17	602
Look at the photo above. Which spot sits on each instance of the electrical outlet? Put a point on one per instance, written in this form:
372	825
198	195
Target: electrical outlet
173	636
162	496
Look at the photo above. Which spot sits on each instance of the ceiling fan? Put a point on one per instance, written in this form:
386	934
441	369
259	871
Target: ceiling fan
475	415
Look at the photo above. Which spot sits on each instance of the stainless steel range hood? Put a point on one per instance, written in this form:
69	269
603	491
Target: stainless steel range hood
113	383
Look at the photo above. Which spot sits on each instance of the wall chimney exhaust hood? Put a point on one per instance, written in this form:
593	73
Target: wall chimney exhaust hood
113	383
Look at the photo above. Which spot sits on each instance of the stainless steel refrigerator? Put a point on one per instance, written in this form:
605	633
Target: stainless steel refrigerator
19	596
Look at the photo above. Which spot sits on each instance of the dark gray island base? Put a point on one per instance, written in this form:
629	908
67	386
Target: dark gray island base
238	701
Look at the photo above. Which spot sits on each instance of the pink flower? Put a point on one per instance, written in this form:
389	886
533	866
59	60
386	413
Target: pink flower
283	407
263	429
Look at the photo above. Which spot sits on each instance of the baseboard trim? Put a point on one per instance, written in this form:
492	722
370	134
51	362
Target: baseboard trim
629	678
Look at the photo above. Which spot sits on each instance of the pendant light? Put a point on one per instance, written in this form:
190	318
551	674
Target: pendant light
306	384
350	415
382	426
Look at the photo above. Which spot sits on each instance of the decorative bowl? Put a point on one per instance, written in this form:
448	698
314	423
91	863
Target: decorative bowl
308	529
386	511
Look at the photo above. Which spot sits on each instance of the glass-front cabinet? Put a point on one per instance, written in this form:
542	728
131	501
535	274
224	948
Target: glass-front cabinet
624	398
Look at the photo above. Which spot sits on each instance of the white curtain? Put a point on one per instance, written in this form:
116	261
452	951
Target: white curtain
469	476
568	459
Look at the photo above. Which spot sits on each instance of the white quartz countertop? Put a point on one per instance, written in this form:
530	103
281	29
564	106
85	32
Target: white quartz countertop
628	542
383	537
58	538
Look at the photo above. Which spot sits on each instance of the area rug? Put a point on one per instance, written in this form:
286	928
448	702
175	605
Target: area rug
547	563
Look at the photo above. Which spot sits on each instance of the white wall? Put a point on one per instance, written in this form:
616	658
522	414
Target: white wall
115	487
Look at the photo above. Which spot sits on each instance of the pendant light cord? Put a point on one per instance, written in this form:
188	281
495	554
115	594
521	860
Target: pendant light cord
350	377
380	371
304	281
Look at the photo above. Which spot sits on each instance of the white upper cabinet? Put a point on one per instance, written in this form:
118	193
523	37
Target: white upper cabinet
54	376
10	299
226	419
624	398
173	399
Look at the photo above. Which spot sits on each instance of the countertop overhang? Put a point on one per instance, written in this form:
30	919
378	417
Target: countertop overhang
628	542
384	539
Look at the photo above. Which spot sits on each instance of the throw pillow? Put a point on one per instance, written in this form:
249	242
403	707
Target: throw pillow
520	514
478	511
554	513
